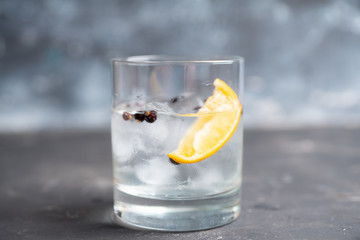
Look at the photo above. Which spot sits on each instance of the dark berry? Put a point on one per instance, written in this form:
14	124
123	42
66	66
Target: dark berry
126	116
140	116
150	116
197	108
173	162
174	100
177	98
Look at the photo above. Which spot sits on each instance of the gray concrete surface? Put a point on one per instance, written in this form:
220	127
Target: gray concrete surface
298	184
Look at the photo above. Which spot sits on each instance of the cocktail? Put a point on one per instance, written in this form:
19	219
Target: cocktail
177	141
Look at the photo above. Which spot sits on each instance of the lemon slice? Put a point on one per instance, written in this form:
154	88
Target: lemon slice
217	121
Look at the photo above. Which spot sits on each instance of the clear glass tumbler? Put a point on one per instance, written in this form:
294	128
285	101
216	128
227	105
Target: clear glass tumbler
177	141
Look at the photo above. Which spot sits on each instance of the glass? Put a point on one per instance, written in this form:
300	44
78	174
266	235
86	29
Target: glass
151	94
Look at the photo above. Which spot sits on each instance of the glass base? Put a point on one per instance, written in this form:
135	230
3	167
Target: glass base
176	215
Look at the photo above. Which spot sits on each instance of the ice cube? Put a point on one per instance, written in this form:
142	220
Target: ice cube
156	171
186	103
137	141
207	177
122	150
162	107
121	147
159	130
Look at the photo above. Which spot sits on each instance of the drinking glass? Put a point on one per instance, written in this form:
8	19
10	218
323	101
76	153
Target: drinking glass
156	100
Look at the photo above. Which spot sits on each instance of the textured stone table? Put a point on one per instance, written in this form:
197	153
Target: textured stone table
298	184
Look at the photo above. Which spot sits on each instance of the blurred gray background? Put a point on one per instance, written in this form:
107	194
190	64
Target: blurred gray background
302	58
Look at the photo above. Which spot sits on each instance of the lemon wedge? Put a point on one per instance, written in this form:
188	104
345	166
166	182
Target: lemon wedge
216	122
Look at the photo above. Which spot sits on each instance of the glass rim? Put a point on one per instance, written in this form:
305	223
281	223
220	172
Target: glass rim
172	59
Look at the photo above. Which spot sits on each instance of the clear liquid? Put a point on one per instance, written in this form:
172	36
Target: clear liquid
144	176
